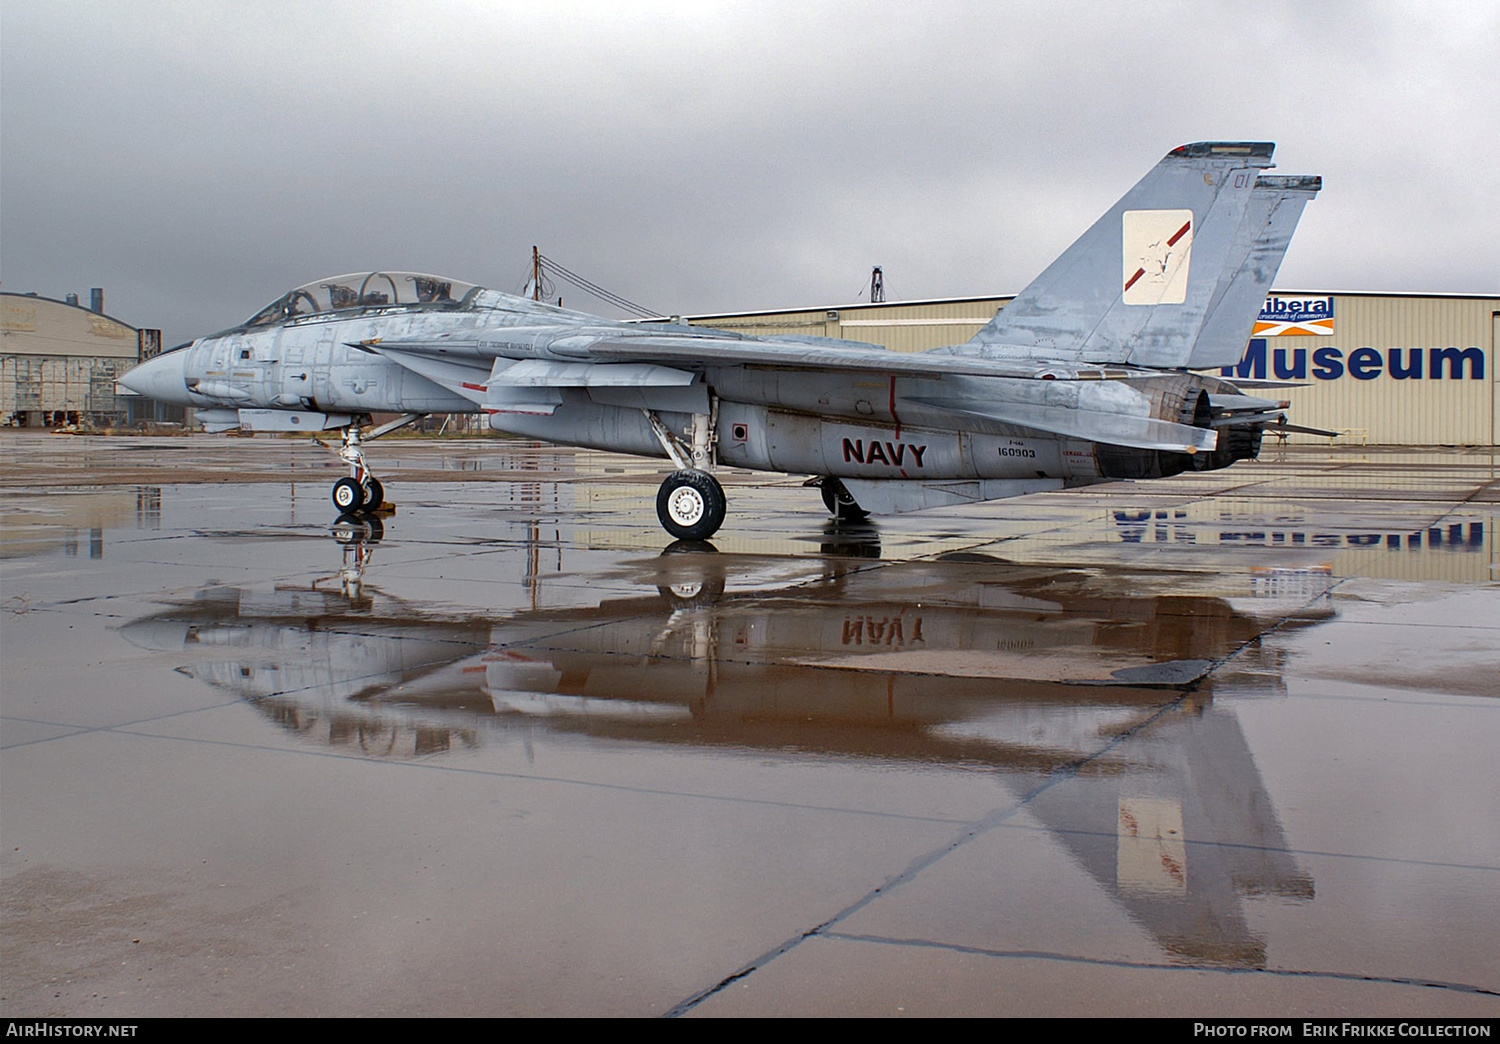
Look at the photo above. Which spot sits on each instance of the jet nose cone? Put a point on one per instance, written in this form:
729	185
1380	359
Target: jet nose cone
163	378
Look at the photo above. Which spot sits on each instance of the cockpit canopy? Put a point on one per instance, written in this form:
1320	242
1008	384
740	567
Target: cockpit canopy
360	291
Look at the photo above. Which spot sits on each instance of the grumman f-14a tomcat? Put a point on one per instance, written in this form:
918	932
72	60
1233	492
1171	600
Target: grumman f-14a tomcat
1086	376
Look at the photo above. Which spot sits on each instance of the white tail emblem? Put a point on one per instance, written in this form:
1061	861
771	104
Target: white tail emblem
1157	246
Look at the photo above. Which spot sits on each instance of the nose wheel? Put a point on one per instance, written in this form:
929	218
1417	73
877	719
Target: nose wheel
348	496
351	496
360	491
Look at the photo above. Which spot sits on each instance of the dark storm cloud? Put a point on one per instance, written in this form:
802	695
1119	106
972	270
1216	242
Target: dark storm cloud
195	159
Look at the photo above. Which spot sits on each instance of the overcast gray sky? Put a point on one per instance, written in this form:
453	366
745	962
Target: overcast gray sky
196	159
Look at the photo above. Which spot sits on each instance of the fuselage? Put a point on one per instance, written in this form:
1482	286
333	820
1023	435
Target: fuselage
325	365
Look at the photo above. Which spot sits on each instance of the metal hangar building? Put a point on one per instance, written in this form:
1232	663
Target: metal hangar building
59	361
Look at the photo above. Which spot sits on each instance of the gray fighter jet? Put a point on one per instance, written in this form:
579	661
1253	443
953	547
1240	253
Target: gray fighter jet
1086	376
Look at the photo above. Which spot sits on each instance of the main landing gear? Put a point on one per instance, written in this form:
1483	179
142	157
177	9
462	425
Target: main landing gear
690	504
362	492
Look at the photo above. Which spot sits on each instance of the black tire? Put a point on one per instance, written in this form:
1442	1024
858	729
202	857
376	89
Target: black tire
348	496
690	505
840	502
374	494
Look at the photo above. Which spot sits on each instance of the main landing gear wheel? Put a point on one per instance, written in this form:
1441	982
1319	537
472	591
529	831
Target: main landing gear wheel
840	502
374	494
690	505
348	496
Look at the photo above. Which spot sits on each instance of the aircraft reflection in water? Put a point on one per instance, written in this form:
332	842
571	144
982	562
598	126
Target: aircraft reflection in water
965	662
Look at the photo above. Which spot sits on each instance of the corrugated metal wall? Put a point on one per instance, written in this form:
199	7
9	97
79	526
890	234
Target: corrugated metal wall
53	382
1443	390
1397	370
57	356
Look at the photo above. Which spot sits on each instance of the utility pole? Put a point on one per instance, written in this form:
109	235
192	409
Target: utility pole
877	285
536	274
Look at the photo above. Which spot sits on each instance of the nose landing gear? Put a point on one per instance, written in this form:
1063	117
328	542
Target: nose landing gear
361	491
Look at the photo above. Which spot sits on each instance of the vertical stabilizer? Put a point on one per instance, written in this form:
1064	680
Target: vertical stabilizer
1270	219
1140	284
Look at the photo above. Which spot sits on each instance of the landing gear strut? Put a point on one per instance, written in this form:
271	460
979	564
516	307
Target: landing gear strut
690	504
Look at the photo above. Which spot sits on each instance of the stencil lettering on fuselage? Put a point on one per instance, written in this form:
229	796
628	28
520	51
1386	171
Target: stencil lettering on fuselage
1157	246
877	452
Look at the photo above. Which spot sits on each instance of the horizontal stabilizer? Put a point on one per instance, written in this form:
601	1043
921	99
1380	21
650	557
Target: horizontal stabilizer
1222	403
1233	410
1269	382
1302	429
